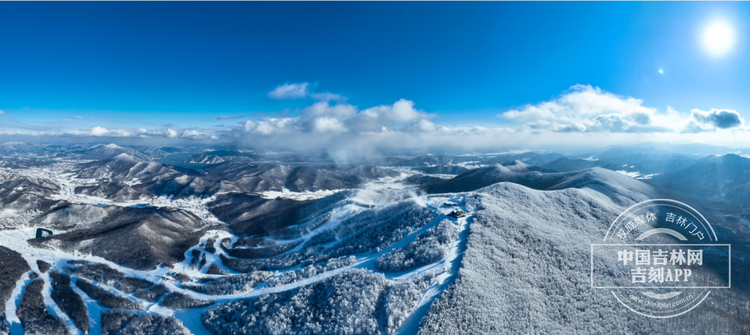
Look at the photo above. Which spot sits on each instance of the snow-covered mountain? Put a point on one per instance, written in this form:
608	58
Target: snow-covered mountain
205	159
24	192
429	244
526	269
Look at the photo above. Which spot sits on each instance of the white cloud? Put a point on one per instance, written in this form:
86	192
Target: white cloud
322	117
585	102
584	115
168	133
714	119
324	108
196	135
422	126
99	131
289	91
1	112
374	118
574	127
587	109
328	97
327	125
96	131
270	126
301	90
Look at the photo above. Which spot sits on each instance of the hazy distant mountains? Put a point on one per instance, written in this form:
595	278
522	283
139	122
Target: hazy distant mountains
127	177
266	177
726	177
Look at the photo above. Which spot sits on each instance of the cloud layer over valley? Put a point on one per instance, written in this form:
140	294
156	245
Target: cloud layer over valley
582	115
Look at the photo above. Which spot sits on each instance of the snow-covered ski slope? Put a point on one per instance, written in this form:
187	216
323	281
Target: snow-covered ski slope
351	217
383	259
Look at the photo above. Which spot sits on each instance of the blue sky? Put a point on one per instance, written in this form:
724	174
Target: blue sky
71	67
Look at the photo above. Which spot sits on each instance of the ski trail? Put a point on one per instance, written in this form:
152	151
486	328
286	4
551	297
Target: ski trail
191	319
93	309
441	282
185	267
146	305
12	305
446	268
52	306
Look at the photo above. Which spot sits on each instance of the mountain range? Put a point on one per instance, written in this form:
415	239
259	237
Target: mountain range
230	241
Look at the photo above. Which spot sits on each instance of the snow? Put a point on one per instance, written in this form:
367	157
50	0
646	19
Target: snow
52	306
648	176
10	218
387	190
93	308
498	239
383	192
16	240
124	157
409	171
468	165
211	258
450	264
298	196
12	304
447	266
60	174
634	174
108	146
191	319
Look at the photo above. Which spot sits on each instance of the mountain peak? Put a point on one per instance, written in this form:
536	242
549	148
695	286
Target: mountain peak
124	157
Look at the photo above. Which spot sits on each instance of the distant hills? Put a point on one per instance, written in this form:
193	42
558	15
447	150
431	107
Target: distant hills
726	176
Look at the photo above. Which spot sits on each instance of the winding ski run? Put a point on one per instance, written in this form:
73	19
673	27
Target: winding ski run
444	271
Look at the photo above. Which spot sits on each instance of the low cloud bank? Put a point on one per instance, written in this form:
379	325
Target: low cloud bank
581	116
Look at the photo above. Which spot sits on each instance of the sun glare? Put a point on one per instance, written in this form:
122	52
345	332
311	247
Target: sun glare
718	38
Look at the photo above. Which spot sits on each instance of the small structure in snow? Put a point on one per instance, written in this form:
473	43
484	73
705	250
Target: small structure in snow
169	276
175	277
43	233
458	214
450	204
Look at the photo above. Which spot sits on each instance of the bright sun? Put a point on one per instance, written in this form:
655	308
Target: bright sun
718	38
